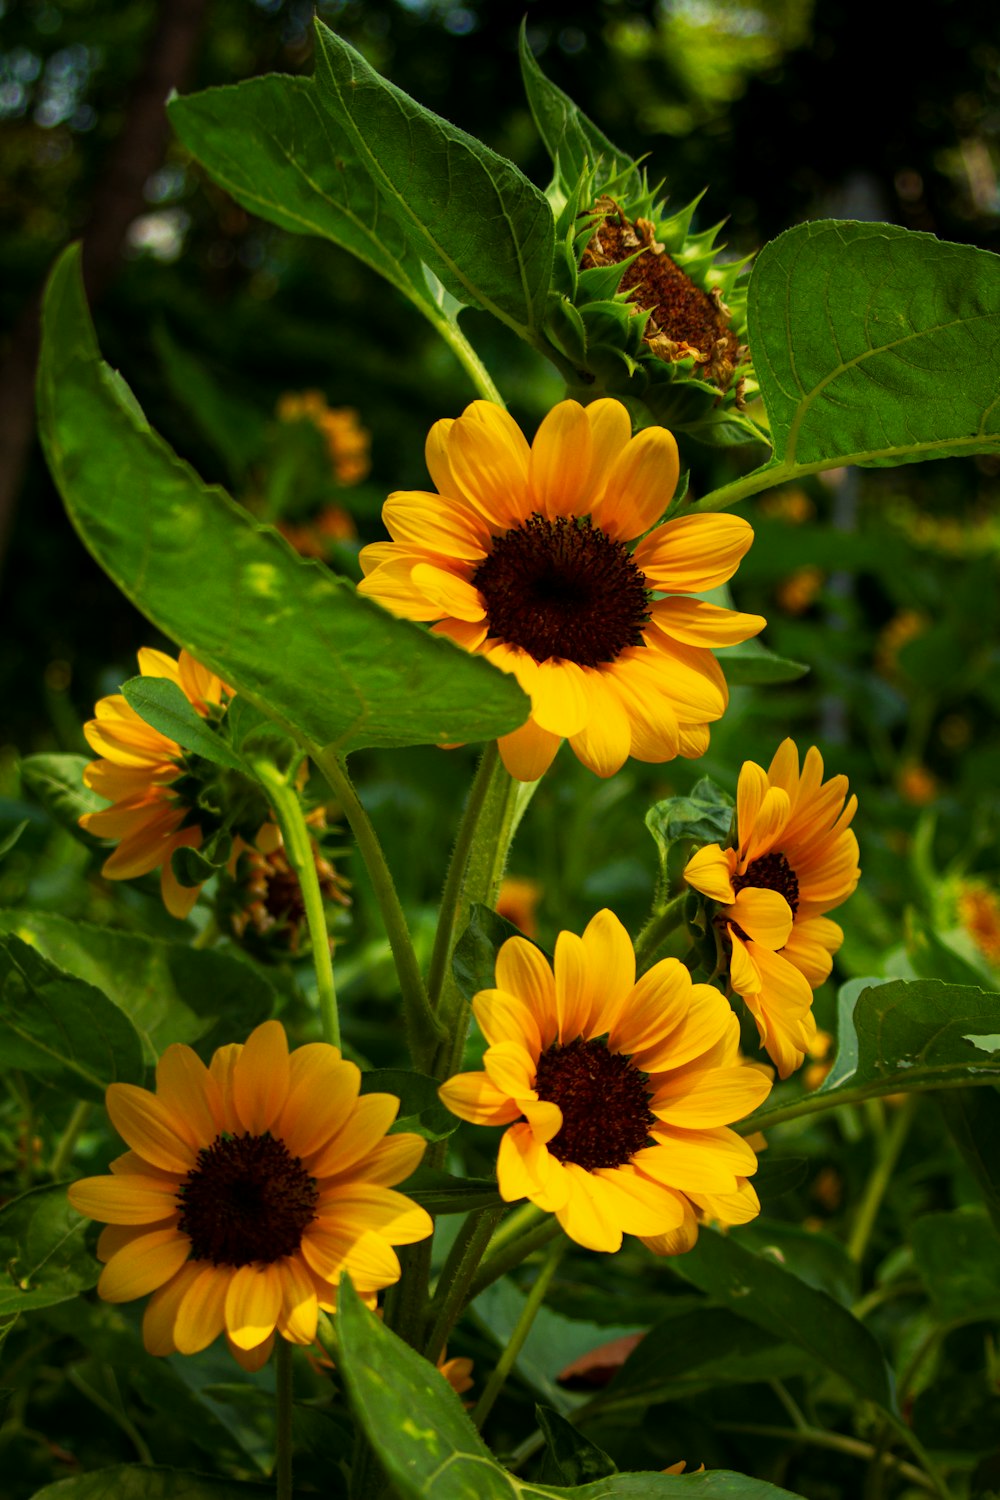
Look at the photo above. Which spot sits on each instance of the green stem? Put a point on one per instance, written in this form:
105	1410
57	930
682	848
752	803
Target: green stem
451	897
499	1262
283	1418
406	1301
287	807
467	357
836	1441
659	926
456	1275
751	484
926	1462
814	1104
424	1030
115	1411
522	1328
888	1154
67	1141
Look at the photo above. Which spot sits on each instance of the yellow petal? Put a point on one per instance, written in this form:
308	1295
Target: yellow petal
610	958
367	1123
322	1092
372	1264
587	1214
512	1069
575	995
253	1302
125	1200
449	527
392	1159
696	623
690	676
545	1119
688	1161
503	1017
222	1067
714	1097
528	752
526	1169
201	1312
261	1078
610	432
362	1206
635	1202
676	1241
254	1359
437	460
641	689
161	1310
177	898
149	1127
705	1021
191	1095
772	815
709	871
391	585
299	1304
450	594
764	915
523	970
694	553
603	744
751	790
744	975
657	1005
488	457
560	700
560	462
640	485
476	1098
143	1265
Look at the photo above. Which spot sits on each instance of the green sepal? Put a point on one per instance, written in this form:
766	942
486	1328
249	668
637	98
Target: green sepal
192	867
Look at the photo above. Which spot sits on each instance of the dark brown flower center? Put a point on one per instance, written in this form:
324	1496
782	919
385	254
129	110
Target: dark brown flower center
563	589
604	1101
773	873
247	1199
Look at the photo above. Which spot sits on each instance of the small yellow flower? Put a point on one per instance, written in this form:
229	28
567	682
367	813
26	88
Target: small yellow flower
138	771
617	1092
795	859
249	1188
522	555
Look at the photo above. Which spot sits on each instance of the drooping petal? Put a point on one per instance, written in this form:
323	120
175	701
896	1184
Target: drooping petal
161	1310
636	1202
587	1215
560	700
528	752
201	1312
177	898
254	1359
451	595
299	1303
253	1302
604	742
676	1241
512	1069
763	915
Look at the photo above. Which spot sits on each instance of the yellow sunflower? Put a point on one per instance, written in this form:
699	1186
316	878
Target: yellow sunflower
522	555
138	772
617	1092
251	1185
795	859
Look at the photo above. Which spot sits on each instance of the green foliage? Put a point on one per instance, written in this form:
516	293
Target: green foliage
318	658
150	1482
42	1251
973	1120
162	704
169	991
873	345
958	1256
420	1109
475	956
757	1288
752	666
704	817
57	782
61	1028
482	227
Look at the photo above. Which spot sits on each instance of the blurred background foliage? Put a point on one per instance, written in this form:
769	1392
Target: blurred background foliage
883	581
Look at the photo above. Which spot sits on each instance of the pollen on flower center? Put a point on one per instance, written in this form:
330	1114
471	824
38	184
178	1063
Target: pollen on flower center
604	1101
773	873
564	589
247	1199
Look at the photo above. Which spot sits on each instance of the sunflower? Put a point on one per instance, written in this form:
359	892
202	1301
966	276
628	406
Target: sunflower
795	859
617	1092
250	1186
521	555
138	771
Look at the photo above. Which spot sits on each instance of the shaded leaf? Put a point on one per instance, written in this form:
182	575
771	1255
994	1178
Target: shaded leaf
704	817
474	959
8	843
232	427
441	1193
485	231
756	1288
304	646
42	1251
572	1458
973	1120
573	141
676	1347
420	1109
170	992
61	1028
57	782
958	1257
274	147
751	665
776	1176
875	345
151	1482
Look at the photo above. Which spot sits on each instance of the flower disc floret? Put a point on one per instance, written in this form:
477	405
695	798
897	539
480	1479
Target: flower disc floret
795	858
529	556
250	1186
617	1092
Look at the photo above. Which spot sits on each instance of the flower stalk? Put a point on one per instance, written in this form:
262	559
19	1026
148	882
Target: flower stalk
283	1420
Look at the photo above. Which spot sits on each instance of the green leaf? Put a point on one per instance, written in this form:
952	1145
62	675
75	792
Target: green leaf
704	817
275	149
57	782
61	1028
441	1193
958	1256
573	142
755	1287
919	1034
474	960
161	703
751	666
420	1109
875	345
170	992
151	1482
973	1120
42	1251
302	645
485	231
430	1450
573	1457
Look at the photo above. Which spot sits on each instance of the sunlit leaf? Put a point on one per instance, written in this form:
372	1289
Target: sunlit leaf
325	662
162	704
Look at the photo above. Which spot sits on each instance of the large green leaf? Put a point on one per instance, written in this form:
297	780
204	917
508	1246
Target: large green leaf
875	345
573	142
151	1482
431	1451
42	1251
757	1288
170	992
330	665
271	144
61	1028
471	215
907	1034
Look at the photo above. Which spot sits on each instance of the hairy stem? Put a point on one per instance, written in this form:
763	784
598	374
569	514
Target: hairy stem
659	926
456	1276
454	886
